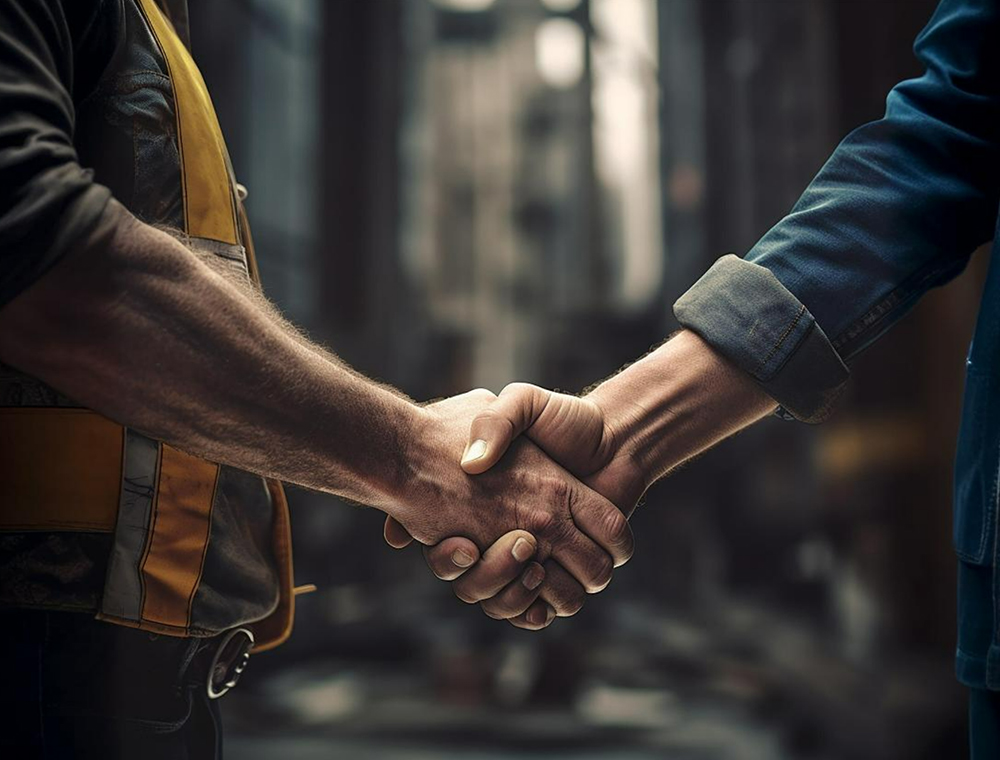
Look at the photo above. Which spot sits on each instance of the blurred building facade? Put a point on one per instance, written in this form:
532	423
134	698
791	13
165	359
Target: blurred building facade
461	193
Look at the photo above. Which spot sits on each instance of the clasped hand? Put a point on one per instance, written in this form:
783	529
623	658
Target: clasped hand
532	475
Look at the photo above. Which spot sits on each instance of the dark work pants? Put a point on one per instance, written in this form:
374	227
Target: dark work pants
73	688
984	724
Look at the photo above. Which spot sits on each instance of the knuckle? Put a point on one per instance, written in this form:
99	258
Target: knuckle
618	531
556	492
489	414
495	420
561	491
542	523
482	394
515	388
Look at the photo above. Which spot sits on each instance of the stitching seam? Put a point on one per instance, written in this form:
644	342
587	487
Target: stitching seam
783	337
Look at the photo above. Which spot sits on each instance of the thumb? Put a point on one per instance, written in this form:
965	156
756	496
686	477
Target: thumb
515	410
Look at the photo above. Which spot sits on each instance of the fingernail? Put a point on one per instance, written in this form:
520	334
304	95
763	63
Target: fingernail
462	558
522	549
533	577
537	616
476	450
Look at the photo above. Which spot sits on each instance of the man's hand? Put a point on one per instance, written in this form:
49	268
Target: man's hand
579	529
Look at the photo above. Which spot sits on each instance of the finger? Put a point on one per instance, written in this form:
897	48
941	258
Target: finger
561	591
603	522
501	563
450	558
585	561
395	534
518	595
514	411
560	596
538	616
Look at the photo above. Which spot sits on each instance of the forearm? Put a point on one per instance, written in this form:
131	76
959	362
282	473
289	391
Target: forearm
675	403
136	327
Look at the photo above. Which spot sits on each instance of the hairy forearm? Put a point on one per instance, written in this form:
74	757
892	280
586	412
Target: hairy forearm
136	327
675	403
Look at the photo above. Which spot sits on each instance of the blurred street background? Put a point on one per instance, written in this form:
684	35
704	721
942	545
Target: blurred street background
463	193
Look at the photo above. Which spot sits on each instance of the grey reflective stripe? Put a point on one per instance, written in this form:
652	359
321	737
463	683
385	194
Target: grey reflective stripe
226	250
123	586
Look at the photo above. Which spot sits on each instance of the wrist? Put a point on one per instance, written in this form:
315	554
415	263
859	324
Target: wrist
625	423
426	485
413	432
676	402
368	457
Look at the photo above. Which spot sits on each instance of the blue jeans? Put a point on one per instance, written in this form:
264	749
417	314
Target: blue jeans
74	688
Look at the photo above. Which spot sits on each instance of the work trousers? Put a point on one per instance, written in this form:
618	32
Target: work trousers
74	688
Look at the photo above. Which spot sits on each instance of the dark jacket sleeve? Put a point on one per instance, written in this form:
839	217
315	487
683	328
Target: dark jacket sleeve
898	208
47	200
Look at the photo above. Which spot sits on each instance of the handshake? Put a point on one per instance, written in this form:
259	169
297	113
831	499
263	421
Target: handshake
541	466
523	499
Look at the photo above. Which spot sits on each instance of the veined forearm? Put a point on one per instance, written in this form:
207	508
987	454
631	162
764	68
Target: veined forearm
676	402
137	328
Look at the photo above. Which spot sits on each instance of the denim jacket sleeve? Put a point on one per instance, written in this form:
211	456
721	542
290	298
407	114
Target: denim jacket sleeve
897	209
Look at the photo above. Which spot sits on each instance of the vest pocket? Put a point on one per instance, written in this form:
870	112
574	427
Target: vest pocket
977	466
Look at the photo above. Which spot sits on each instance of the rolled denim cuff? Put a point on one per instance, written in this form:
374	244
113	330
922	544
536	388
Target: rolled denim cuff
747	315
